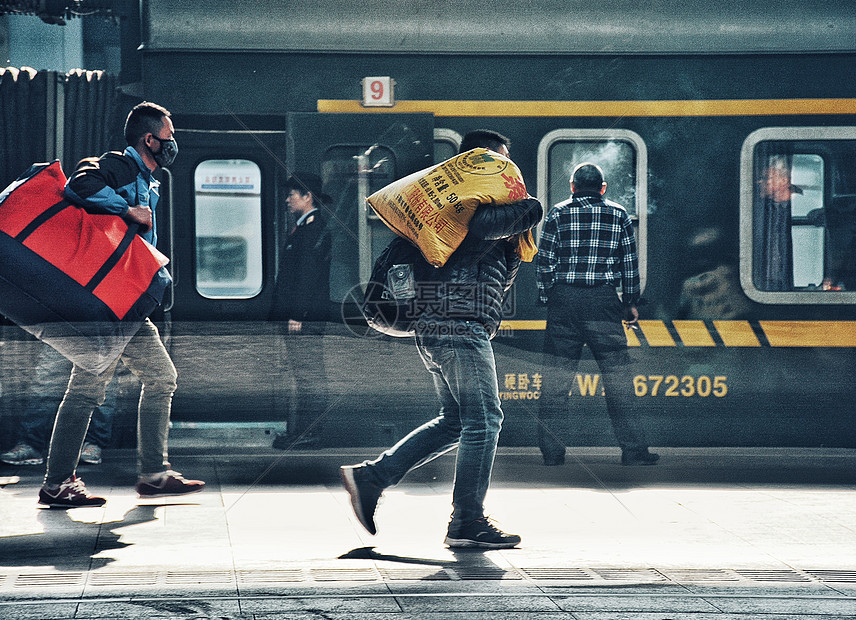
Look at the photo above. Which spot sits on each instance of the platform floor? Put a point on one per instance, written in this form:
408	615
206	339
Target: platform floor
719	534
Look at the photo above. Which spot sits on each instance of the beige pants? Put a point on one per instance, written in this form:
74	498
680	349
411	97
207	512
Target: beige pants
146	357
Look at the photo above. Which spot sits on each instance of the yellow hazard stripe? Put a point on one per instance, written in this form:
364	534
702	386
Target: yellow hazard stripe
656	333
694	334
810	333
737	334
711	107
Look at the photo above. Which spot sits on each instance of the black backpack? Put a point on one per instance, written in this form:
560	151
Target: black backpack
390	303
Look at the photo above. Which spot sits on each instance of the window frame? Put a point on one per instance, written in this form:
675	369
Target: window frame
747	197
450	136
260	196
604	135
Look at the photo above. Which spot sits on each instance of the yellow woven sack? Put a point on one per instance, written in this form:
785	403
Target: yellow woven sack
433	207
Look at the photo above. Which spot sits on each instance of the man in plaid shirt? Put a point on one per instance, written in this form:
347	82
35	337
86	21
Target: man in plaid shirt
587	249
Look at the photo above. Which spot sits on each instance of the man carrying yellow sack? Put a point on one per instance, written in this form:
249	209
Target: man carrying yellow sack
432	208
461	313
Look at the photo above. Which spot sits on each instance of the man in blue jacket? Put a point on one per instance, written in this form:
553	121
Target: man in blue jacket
122	184
453	340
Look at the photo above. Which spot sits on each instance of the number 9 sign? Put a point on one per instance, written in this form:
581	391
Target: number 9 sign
377	92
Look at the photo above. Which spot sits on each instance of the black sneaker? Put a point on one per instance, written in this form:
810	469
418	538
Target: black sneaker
639	457
480	534
364	495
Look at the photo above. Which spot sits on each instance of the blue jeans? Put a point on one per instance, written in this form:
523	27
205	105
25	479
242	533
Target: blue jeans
44	395
460	359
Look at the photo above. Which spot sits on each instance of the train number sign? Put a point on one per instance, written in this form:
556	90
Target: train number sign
378	92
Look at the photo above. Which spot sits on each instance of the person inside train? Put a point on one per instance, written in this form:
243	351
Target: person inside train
457	352
587	248
302	303
122	184
774	254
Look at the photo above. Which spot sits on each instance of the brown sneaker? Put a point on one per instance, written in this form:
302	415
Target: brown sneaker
172	483
71	493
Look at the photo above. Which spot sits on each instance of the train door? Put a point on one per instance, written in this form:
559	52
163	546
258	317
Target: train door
218	223
355	155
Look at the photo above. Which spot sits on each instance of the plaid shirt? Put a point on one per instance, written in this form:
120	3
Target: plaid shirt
588	240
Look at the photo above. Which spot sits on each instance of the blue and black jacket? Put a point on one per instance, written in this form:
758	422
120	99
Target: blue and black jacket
112	184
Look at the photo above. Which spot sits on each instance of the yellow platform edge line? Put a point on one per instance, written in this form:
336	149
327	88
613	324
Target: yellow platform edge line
710	107
524	325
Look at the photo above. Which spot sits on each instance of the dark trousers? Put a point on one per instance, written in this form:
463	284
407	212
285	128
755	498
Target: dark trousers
303	368
579	315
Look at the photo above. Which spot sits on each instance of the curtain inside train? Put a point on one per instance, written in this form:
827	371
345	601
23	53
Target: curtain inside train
773	256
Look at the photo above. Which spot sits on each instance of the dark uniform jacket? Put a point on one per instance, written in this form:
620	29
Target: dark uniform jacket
302	291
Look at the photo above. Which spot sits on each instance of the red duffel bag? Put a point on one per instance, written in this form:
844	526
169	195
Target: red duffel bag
81	282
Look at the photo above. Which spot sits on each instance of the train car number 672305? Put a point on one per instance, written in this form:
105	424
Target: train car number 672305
688	386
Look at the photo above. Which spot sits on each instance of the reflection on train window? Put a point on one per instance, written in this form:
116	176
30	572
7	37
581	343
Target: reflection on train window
623	157
228	228
221	259
447	142
356	234
803	225
617	158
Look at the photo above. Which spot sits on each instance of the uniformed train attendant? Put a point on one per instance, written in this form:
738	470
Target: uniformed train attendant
302	303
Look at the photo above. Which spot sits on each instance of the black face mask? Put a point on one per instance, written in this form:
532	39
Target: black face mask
167	153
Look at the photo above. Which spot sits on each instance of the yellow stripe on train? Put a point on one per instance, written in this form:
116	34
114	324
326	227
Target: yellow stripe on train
656	108
729	333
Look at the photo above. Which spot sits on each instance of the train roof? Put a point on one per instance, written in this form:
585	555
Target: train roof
523	27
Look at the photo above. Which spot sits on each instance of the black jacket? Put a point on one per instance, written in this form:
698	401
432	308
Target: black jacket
473	282
302	291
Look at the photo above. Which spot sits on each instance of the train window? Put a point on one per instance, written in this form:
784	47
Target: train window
624	159
357	235
446	144
228	228
798	215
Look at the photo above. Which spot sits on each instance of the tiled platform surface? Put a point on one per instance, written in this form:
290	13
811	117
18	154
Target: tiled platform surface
717	533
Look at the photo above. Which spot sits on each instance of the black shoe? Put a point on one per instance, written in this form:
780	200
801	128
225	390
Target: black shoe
364	495
639	457
480	534
555	459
